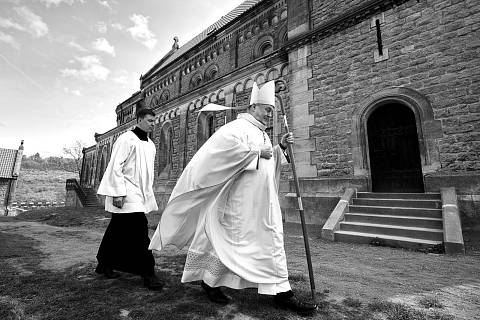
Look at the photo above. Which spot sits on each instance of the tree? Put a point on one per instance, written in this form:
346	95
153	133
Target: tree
75	151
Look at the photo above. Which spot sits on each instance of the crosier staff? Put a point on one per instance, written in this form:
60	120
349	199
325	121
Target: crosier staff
300	207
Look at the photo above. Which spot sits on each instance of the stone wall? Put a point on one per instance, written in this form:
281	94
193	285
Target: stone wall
4	183
432	48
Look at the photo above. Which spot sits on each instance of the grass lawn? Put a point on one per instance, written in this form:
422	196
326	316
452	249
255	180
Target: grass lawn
47	258
42	185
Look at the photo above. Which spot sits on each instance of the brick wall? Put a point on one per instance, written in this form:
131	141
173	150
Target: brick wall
433	48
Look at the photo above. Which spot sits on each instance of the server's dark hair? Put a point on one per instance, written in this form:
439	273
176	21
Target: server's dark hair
143	112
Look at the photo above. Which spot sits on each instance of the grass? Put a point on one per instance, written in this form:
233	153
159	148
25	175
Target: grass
42	185
428	302
28	290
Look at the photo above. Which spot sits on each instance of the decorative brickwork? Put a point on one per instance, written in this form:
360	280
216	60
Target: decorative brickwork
335	63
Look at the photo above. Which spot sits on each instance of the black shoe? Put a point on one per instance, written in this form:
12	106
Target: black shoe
288	300
153	283
106	271
215	294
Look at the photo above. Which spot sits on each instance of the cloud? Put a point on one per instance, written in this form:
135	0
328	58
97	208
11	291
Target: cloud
2	124
105	4
75	92
117	26
75	45
140	31
7	23
102	44
35	24
56	3
101	27
9	40
121	77
91	70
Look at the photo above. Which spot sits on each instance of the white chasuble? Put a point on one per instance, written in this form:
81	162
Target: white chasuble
226	204
130	173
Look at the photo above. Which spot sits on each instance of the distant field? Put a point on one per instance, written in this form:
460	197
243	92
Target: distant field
41	185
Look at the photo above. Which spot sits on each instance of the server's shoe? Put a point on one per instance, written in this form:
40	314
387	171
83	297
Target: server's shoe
215	294
288	300
153	283
106	271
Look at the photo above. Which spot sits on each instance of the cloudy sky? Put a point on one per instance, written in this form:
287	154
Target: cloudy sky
66	64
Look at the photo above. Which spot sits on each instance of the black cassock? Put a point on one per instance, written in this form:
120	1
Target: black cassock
124	246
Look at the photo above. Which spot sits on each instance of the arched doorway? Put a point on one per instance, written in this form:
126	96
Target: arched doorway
393	145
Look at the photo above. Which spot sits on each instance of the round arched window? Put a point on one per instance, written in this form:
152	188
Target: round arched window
266	49
264	46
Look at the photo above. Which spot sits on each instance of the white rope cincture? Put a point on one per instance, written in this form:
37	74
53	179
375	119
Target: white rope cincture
300	204
450	205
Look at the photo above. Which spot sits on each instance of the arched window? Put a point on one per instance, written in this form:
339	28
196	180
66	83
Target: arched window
205	128
165	151
103	164
210	126
164	97
211	72
264	46
196	80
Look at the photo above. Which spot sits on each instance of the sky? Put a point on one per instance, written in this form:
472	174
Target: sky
65	65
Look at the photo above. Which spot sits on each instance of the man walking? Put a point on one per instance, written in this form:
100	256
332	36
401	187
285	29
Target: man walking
128	187
226	203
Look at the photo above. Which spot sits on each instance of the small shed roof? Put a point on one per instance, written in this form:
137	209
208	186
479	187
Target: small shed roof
7	162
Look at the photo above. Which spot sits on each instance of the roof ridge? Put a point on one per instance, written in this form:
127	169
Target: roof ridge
224	20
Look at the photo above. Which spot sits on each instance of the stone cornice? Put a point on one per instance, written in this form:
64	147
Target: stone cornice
217	42
262	63
345	20
134	98
102	136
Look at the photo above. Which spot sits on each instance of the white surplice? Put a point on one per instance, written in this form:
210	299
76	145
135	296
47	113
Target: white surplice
226	203
130	173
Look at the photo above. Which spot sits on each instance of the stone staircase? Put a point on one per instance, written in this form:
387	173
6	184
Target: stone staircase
407	220
91	199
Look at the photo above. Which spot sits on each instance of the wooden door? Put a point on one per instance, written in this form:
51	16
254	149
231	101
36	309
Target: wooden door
393	148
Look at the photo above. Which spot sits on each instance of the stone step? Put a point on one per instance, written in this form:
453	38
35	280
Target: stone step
392	241
397	211
404	203
393	230
383	195
408	221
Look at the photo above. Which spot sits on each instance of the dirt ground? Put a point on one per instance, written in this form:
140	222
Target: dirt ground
343	272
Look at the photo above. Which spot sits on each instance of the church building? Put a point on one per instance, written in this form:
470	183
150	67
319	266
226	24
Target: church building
382	96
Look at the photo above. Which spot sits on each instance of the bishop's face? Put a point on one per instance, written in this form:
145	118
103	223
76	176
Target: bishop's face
262	112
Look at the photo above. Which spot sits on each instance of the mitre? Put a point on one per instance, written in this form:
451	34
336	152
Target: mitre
263	95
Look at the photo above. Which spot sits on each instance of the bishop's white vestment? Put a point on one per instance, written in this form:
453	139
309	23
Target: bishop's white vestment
226	205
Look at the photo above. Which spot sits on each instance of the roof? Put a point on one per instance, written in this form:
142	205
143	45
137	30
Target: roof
7	162
224	20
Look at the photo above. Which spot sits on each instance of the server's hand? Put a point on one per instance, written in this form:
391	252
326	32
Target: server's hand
119	201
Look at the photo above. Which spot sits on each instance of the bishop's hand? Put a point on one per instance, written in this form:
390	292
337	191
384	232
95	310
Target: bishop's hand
266	152
286	138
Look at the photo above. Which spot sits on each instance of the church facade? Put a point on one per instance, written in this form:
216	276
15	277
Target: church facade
381	96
